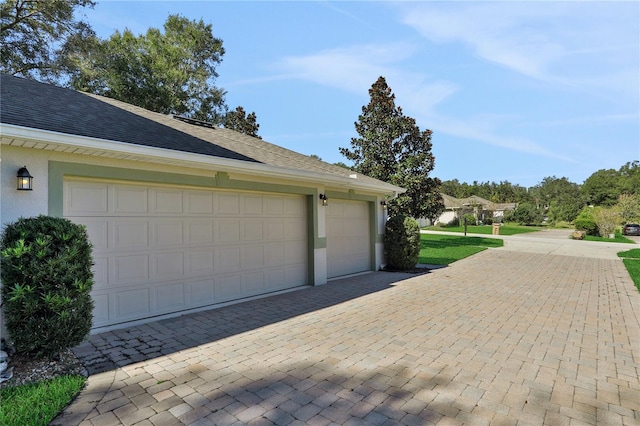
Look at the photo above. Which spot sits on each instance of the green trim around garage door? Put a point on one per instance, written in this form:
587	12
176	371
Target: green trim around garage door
374	237
59	170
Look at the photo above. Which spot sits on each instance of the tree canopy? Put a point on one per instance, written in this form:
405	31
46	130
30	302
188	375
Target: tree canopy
239	121
392	148
171	71
34	34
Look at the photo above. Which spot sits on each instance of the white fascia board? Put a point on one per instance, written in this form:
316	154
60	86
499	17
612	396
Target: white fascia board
188	158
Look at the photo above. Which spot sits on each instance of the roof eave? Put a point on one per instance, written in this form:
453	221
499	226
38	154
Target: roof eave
169	156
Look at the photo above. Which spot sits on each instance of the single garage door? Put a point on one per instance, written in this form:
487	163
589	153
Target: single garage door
160	250
348	239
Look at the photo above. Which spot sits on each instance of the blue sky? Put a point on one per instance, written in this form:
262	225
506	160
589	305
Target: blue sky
513	91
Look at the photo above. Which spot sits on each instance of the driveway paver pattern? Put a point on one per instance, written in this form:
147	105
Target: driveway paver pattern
503	337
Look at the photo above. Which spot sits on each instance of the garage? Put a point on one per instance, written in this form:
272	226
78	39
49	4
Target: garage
348	237
162	249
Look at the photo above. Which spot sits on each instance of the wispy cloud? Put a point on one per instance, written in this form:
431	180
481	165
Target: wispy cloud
556	42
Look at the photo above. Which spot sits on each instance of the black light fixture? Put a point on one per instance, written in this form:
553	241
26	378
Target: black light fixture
383	203
325	200
25	180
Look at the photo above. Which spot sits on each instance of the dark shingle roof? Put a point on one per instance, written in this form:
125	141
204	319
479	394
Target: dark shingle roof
32	104
29	103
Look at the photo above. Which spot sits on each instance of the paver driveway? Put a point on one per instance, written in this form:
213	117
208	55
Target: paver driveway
503	337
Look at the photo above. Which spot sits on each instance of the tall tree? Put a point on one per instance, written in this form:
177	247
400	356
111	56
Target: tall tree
602	187
391	147
239	121
171	72
560	196
34	33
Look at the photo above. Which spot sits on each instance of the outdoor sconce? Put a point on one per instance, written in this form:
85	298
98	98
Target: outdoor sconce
325	200
25	180
383	203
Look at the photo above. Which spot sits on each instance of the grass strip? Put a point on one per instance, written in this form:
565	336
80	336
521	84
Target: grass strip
618	239
487	229
37	404
438	249
631	260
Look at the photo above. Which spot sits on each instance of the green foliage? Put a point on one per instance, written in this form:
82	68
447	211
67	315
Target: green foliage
562	198
526	214
391	147
169	72
585	221
502	192
401	242
34	35
239	121
602	187
629	208
39	403
46	284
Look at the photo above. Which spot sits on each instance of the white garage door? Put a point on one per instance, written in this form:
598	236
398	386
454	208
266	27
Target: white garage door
348	239
160	250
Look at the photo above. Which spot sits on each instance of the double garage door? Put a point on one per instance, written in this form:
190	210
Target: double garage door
161	250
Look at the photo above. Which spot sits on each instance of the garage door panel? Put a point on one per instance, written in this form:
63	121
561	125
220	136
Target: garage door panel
131	269
130	234
161	250
167	233
200	292
228	287
166	201
252	257
199	232
167	265
169	297
199	262
252	205
227	204
227	259
199	202
252	230
130	304
86	198
130	199
228	231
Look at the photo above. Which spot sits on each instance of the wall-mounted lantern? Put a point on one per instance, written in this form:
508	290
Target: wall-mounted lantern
383	203
325	200
25	180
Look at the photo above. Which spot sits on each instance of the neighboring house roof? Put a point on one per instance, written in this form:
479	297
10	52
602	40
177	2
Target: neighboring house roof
108	127
453	203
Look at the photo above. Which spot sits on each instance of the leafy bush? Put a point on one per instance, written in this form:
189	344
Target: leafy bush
606	219
585	222
526	214
401	242
46	283
488	220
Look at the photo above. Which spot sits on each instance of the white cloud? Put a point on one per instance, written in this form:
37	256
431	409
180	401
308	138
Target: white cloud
557	42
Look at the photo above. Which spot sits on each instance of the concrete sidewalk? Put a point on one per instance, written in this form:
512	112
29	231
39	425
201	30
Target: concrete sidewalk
504	337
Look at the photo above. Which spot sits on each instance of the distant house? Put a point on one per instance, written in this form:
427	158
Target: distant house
482	209
182	216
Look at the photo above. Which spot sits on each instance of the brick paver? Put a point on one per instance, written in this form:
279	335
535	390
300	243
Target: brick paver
499	338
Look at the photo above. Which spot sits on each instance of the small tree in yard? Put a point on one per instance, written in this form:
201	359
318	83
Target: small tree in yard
401	242
46	283
607	219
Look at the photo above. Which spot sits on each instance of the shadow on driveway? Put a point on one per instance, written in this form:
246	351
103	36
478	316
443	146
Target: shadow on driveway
114	349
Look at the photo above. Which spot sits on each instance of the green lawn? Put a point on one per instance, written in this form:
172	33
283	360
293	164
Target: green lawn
631	260
445	249
488	229
618	239
39	403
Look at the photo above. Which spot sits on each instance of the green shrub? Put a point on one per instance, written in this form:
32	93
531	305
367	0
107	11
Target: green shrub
45	267
401	242
469	219
488	221
526	214
585	222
